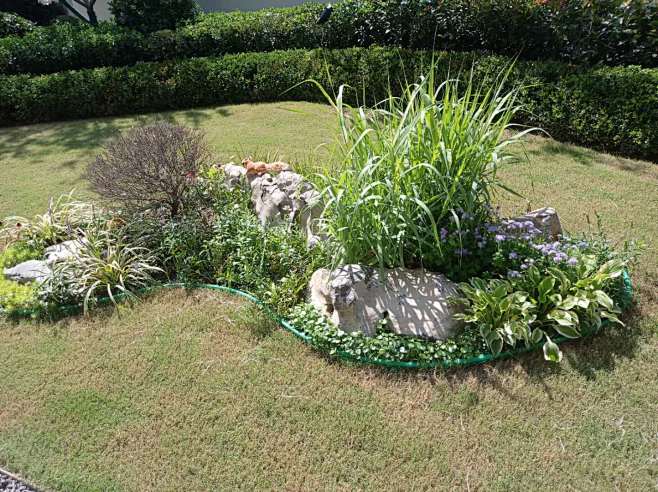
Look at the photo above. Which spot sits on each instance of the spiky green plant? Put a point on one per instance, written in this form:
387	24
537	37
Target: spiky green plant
408	165
59	223
106	264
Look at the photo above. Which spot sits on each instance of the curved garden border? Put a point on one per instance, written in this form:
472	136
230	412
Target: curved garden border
68	310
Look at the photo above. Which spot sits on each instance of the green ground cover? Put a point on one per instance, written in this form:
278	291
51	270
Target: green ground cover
197	390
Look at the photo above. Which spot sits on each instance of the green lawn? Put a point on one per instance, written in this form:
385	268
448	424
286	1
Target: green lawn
197	391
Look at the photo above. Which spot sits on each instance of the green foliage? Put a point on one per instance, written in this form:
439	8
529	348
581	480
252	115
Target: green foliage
16	297
18	252
33	10
66	45
411	167
606	31
540	304
107	264
614	109
59	223
14	25
384	345
218	239
153	15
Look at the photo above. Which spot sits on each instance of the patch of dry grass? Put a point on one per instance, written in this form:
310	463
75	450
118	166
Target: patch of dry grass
198	390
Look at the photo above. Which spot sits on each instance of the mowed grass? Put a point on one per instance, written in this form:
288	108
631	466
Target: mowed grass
197	390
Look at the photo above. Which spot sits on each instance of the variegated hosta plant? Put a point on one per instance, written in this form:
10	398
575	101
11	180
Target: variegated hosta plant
541	304
107	264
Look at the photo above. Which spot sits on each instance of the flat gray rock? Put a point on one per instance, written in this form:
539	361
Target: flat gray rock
28	271
546	220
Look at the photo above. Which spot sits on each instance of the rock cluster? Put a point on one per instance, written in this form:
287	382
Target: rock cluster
411	302
285	197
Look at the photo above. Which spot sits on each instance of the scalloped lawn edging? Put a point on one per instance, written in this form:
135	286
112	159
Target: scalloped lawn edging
70	310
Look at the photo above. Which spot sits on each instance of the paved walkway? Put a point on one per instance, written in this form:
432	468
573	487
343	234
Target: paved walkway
11	483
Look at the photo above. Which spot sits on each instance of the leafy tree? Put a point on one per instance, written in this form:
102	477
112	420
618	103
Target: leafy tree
153	15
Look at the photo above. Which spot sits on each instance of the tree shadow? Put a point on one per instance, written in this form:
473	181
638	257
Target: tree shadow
580	155
588	157
26	142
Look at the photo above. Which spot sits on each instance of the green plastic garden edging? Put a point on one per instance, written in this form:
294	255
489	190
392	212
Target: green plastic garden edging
480	359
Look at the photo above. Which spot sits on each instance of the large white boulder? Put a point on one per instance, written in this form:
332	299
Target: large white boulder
29	271
413	302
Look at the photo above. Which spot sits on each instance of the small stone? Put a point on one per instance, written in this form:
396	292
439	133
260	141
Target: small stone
234	176
63	251
546	220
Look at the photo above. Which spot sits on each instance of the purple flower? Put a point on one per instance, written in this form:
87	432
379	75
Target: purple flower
499	237
444	233
462	252
572	261
558	257
513	274
513	255
492	228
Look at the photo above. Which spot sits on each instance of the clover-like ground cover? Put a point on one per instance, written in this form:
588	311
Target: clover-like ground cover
198	391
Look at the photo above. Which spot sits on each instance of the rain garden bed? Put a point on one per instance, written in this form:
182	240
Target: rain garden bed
413	190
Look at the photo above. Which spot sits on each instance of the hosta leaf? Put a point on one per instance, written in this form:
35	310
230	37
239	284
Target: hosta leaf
612	317
603	299
568	331
552	352
569	303
545	286
563	318
536	336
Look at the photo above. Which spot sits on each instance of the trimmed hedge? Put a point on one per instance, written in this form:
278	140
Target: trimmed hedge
609	108
14	25
608	31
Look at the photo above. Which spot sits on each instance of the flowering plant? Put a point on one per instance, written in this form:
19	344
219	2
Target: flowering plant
543	303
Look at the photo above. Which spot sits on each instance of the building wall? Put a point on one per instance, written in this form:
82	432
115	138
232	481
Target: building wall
103	11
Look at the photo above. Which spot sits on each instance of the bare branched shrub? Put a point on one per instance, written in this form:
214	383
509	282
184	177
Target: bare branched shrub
150	167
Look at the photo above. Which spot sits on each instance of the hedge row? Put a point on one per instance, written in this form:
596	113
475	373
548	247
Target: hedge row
14	25
609	108
607	31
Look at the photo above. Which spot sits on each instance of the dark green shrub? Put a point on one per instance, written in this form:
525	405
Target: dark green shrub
70	45
14	25
612	109
153	15
33	10
607	31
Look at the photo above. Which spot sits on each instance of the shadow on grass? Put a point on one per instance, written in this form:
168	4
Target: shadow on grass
29	142
588	357
580	155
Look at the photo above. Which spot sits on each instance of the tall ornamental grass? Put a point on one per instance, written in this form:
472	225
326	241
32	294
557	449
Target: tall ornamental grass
414	166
